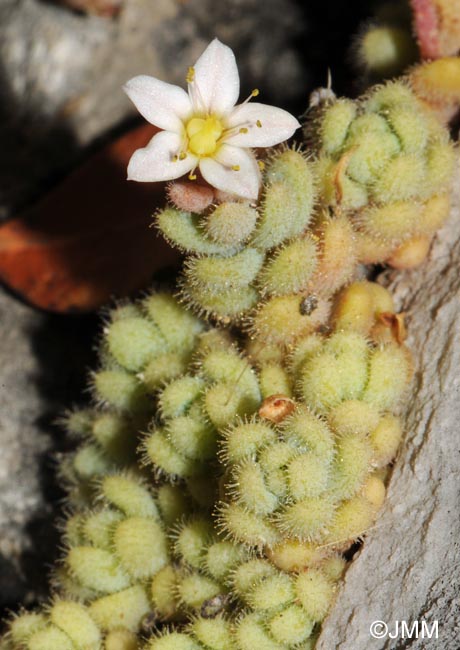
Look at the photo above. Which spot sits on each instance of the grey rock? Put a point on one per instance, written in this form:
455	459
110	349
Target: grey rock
43	362
409	566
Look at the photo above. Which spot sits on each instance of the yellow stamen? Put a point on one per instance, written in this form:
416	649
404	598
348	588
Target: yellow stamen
192	176
190	75
243	130
259	124
236	168
204	134
261	165
175	158
182	155
255	92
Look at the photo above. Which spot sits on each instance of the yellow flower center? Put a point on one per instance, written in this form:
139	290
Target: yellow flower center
203	134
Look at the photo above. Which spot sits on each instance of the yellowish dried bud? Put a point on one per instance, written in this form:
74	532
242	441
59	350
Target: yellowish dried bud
374	491
293	555
385	439
434	214
437	81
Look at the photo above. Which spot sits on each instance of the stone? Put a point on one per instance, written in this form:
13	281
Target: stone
43	362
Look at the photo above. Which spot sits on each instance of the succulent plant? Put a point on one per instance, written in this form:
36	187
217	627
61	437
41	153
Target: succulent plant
228	462
387	164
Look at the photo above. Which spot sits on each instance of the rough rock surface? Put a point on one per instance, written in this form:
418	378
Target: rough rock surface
409	566
43	361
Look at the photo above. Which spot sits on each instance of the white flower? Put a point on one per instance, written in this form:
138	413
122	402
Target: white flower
204	128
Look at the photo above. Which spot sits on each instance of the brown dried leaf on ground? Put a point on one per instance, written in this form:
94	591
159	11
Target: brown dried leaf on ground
106	8
88	239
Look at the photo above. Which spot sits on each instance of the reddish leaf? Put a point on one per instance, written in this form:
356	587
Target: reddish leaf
88	239
426	27
437	27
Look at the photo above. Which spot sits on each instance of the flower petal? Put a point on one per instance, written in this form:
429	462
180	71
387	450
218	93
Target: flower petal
218	172
277	125
216	84
155	161
162	104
